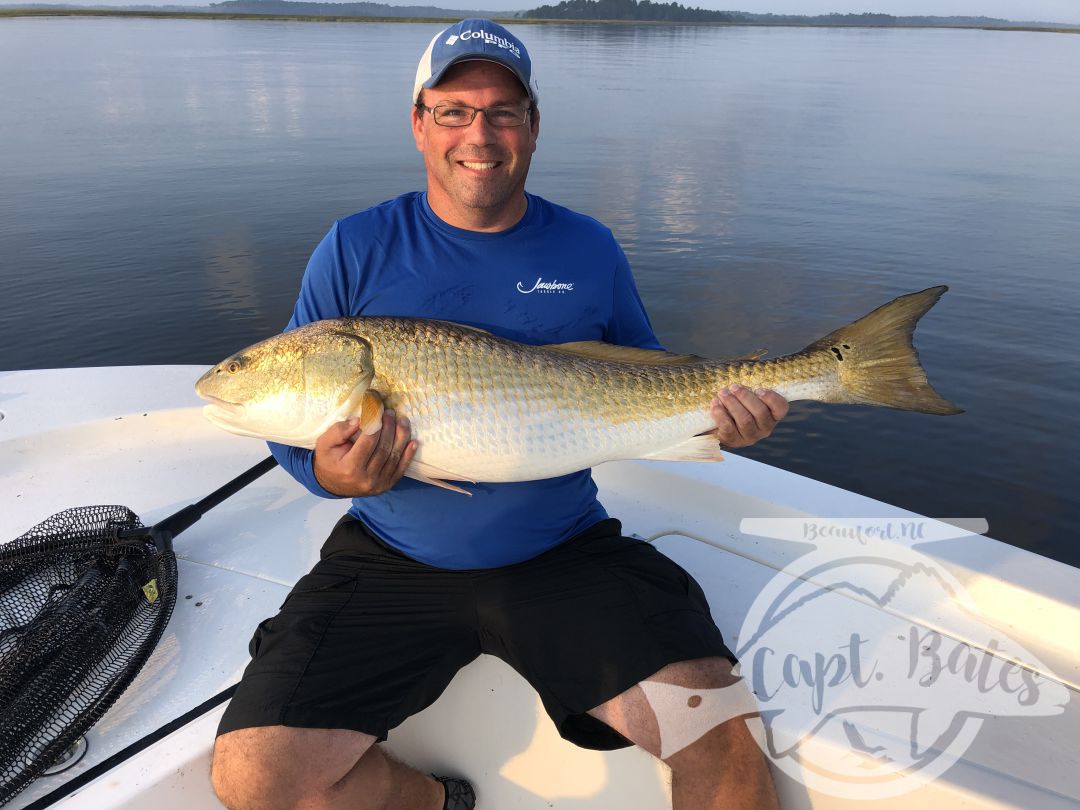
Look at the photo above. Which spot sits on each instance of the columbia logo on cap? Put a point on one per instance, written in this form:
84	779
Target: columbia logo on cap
490	39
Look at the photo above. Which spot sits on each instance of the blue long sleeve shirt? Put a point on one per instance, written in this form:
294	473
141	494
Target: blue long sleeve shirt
556	276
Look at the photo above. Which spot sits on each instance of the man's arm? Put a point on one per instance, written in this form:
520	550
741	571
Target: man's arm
345	462
628	324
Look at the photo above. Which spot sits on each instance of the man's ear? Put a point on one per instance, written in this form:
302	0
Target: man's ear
418	127
534	126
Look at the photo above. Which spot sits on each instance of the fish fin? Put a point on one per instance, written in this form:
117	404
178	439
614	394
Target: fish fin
876	360
435	476
370	413
702	447
598	350
756	354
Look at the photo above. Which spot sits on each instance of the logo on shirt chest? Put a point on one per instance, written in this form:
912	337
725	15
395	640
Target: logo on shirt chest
548	287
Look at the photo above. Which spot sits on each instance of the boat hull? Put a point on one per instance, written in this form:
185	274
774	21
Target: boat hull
146	445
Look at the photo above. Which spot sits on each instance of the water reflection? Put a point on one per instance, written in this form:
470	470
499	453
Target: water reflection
231	272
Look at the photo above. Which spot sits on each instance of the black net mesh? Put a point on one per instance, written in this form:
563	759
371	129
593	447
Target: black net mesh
80	613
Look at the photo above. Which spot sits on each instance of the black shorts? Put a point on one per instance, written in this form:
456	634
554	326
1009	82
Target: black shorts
371	636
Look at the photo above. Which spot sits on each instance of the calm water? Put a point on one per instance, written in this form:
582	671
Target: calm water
162	183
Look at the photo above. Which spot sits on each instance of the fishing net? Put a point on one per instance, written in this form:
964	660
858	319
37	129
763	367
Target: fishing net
84	597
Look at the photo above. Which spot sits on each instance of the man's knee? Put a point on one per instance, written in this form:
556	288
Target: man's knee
243	776
690	700
279	767
730	744
226	769
677	705
725	763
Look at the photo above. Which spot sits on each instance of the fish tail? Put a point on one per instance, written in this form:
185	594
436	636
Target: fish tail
876	361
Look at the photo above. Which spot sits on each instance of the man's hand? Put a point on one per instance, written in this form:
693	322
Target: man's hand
352	465
744	417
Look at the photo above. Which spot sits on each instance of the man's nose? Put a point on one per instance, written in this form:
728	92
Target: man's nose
481	128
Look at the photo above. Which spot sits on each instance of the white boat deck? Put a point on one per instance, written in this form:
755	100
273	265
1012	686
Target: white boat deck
136	437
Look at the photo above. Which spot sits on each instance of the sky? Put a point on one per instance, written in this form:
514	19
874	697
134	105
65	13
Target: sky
1065	11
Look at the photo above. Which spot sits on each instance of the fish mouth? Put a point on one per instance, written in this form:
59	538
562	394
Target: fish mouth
220	410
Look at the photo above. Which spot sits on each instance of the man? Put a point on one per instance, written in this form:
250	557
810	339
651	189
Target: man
416	581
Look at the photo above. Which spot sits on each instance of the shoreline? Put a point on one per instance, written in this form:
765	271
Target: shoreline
15	11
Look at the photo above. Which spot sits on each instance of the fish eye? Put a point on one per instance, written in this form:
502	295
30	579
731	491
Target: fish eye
233	366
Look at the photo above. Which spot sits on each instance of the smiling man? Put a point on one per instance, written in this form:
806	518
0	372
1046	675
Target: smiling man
476	172
415	581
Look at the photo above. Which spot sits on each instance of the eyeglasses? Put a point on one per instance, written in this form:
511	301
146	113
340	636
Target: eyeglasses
458	115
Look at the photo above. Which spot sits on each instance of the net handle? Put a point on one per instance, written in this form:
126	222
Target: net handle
165	530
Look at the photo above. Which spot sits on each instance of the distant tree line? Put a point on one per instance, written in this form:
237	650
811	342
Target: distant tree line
674	12
869	19
357	9
630	10
644	10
